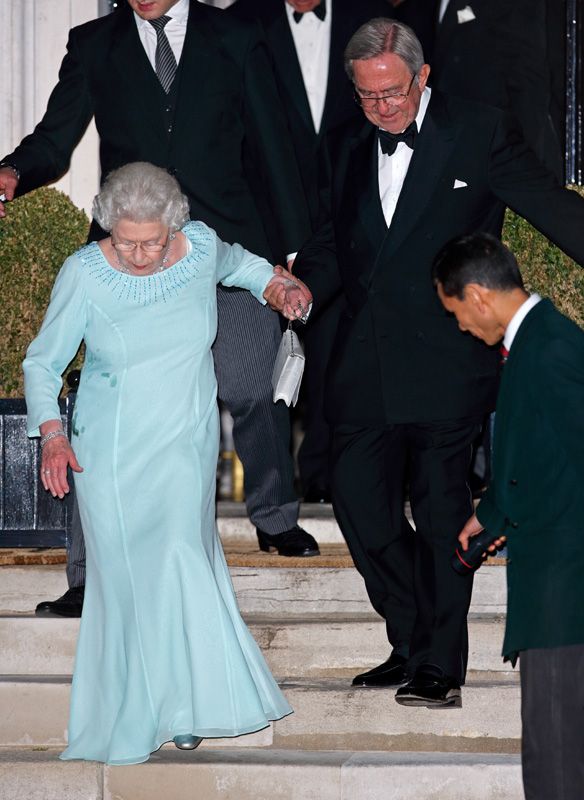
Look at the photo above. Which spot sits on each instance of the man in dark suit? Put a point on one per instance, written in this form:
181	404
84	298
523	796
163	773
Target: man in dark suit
307	39
499	52
534	499
405	392
188	88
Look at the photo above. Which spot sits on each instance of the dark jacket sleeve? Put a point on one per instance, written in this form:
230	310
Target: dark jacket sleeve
269	150
521	181
44	155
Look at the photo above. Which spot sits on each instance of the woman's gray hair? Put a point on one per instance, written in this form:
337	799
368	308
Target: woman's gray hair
140	192
382	35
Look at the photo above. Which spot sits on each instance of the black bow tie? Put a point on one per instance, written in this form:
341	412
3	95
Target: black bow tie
320	12
389	141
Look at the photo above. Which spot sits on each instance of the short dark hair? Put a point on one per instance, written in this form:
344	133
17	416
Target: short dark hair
479	258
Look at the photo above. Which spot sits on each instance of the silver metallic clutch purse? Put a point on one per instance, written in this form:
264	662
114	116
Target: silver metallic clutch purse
288	368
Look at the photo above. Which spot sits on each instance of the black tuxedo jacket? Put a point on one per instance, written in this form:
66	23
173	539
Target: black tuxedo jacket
399	357
422	16
538	470
339	106
228	144
501	57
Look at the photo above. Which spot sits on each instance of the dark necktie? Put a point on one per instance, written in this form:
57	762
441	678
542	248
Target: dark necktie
164	61
389	141
319	11
504	354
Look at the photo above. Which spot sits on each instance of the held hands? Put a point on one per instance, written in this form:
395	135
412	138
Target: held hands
472	528
57	455
288	295
8	184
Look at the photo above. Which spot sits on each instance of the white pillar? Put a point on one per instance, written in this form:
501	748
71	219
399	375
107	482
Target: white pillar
34	39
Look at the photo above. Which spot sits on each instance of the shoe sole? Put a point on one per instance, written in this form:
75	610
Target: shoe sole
452	700
395	685
305	554
55	614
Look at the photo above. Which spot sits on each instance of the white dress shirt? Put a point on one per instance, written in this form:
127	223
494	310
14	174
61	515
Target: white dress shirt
312	39
392	169
518	318
175	30
443	7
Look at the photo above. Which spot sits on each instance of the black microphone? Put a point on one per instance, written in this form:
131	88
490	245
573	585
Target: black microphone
465	561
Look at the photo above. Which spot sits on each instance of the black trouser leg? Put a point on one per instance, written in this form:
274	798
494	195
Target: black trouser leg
552	714
368	501
439	459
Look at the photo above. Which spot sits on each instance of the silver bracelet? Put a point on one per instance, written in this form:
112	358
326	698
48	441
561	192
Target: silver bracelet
52	435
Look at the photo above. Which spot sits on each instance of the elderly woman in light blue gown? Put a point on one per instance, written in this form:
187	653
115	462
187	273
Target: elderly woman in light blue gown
163	653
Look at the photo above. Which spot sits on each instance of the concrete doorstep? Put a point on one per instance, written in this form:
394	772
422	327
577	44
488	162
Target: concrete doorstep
308	647
263	775
329	715
279	592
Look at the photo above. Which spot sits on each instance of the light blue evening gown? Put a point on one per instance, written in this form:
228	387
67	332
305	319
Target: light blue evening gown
162	649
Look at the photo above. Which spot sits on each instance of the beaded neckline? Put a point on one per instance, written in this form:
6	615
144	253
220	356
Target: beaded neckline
158	286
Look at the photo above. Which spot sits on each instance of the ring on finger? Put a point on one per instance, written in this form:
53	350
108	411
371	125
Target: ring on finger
46	471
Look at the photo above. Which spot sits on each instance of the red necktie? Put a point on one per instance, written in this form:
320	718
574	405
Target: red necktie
504	353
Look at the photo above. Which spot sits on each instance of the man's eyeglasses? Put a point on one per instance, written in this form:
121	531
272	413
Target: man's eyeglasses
392	98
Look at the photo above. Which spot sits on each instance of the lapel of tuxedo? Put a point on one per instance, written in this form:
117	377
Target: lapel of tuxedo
134	72
364	214
340	34
512	380
446	29
286	61
433	147
198	60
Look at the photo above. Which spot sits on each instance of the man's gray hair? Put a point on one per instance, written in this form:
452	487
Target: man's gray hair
382	35
140	192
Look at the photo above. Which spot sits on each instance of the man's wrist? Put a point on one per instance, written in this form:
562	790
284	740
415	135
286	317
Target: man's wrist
8	165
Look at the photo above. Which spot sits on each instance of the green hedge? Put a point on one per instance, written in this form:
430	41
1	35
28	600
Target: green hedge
37	234
44	227
545	268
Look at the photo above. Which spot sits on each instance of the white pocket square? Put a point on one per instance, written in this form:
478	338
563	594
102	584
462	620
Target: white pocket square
459	184
465	14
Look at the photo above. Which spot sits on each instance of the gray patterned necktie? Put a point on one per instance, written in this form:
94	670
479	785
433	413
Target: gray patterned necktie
164	61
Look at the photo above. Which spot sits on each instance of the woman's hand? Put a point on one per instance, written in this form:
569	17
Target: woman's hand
288	295
57	455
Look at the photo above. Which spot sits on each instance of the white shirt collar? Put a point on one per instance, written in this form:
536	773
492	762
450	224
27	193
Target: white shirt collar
178	12
424	100
517	319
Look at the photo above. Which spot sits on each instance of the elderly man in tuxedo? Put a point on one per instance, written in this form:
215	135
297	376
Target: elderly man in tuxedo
186	87
533	499
405	392
306	39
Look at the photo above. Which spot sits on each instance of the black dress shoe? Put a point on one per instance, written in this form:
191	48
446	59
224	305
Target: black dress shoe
295	542
69	605
317	494
391	673
431	688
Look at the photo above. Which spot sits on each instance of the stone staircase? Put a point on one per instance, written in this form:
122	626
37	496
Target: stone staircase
316	629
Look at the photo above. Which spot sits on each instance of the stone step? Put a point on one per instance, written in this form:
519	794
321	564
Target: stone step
275	591
333	646
329	715
319	520
240	774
